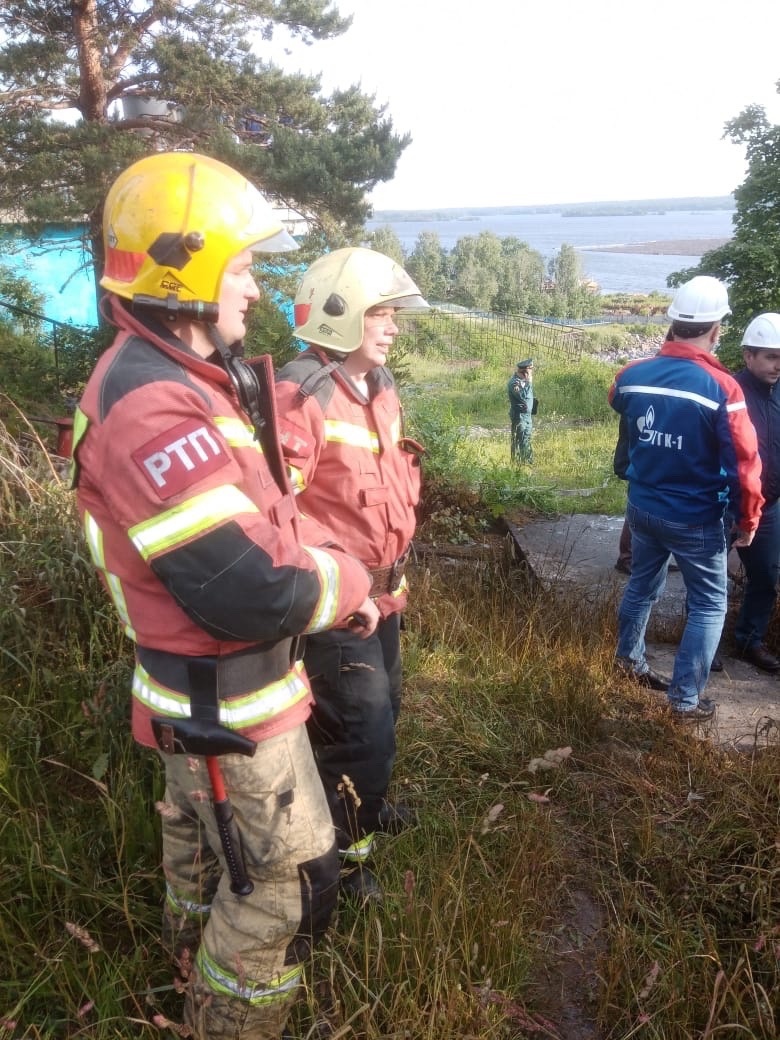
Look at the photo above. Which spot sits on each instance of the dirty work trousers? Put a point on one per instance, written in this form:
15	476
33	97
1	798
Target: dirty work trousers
243	955
357	698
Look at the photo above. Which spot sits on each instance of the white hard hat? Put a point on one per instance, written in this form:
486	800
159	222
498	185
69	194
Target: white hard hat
703	299
763	332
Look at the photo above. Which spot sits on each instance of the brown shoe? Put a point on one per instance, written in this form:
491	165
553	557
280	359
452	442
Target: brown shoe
703	711
648	678
761	657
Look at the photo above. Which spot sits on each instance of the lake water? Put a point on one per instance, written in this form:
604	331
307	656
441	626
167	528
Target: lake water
58	270
547	232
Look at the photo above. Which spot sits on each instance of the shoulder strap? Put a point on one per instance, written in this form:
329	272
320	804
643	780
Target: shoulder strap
314	381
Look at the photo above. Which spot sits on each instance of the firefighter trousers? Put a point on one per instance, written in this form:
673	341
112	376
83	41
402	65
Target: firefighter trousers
357	693
243	956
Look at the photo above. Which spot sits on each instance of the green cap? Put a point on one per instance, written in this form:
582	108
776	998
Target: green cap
528	363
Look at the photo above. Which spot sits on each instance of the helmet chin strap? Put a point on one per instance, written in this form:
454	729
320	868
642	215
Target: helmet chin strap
243	378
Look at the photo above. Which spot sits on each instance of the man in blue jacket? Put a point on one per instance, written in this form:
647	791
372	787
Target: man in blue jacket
761	559
692	451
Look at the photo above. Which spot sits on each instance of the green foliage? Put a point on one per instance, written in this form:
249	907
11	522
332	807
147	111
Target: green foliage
438	429
750	262
43	365
19	302
399	362
640	304
458	409
269	332
76	352
599	338
428	264
385	240
501	275
27	374
576	390
565	270
521	279
476	266
429	340
451	337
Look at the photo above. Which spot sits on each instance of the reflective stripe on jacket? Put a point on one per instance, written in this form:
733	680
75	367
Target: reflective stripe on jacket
196	540
350	463
692	448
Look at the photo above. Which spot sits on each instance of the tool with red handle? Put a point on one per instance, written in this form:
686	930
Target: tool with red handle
203	735
228	831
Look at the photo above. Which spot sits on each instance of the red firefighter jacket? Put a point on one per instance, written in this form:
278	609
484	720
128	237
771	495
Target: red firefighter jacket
351	466
195	532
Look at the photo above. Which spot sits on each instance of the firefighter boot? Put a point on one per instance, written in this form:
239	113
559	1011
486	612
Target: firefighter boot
396	817
360	885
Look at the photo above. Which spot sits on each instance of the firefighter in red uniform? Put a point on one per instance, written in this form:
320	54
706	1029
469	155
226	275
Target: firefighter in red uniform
354	471
191	521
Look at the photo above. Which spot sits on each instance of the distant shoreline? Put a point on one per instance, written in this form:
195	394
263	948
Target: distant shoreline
630	207
673	247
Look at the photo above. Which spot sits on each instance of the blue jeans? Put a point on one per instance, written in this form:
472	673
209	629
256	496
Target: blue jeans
761	560
700	552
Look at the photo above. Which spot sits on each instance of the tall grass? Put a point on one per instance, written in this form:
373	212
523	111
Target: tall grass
581	867
460	412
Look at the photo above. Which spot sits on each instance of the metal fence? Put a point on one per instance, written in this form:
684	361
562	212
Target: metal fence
59	335
481	334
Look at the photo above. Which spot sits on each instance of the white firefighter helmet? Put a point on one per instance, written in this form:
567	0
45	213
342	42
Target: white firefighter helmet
701	300
763	332
338	289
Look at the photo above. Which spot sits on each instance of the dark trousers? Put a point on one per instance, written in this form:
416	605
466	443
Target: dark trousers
357	698
624	545
761	560
520	436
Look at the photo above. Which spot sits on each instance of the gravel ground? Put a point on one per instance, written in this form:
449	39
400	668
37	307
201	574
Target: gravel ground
636	346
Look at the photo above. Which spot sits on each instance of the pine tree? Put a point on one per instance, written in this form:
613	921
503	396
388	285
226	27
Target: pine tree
71	72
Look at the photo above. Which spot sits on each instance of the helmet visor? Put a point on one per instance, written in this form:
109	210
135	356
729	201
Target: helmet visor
408	303
281	242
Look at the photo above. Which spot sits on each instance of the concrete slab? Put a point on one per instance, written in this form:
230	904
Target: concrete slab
578	553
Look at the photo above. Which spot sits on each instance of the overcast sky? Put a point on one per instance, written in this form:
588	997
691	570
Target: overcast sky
511	102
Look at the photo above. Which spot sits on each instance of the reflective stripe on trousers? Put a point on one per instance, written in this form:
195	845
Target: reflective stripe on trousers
358	851
251	948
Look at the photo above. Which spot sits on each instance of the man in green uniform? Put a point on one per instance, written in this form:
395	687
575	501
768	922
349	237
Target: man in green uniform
521	398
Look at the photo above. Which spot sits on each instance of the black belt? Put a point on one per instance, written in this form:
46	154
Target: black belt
237	673
387	579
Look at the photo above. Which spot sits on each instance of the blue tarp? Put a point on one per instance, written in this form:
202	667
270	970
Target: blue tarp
58	269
